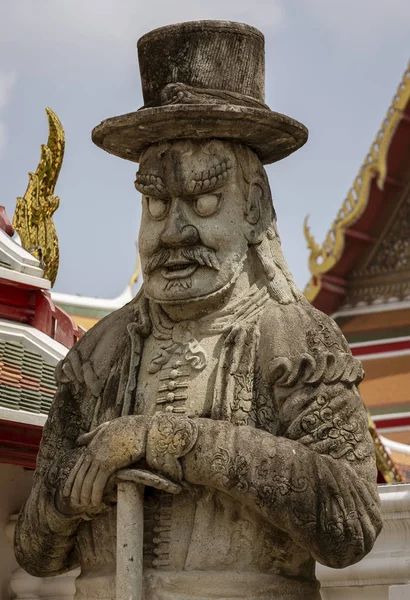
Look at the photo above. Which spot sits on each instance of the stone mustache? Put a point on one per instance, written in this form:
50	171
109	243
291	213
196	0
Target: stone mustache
219	378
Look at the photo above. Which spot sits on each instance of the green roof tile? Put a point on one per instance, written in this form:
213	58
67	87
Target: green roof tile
34	386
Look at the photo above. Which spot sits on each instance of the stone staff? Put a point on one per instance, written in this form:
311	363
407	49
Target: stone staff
130	528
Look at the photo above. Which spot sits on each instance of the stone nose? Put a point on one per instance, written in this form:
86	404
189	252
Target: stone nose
177	229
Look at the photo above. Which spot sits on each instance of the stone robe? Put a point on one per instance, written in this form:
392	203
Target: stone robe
282	472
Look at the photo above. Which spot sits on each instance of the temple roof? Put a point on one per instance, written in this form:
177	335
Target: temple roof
400	456
86	311
16	264
24	295
34	336
365	258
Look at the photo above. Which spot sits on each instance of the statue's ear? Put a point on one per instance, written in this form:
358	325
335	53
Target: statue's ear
253	213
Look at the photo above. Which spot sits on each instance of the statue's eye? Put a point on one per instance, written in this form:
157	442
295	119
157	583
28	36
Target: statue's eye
157	207
207	204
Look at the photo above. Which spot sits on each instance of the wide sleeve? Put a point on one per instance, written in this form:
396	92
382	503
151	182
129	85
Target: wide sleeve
314	479
44	537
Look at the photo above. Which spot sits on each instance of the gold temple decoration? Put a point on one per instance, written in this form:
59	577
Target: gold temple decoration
136	274
323	258
33	216
384	463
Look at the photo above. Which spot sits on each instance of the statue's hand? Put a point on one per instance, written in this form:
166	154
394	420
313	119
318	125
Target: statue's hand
111	446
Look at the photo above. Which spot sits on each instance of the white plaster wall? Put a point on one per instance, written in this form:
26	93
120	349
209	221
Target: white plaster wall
375	592
15	485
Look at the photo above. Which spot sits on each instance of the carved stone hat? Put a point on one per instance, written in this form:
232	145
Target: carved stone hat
202	80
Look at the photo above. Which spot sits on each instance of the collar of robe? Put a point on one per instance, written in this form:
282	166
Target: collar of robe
180	338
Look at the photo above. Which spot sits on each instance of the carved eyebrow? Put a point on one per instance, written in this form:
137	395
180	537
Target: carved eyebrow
204	181
150	185
208	180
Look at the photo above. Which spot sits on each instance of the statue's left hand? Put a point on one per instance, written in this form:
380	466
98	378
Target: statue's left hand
110	447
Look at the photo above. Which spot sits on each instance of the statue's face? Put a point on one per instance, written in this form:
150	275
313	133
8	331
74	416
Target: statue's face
192	238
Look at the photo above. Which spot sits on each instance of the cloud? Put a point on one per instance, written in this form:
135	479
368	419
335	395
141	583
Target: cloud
7	81
3	138
102	26
362	21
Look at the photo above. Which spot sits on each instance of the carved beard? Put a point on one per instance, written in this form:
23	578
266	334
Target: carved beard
221	292
179	284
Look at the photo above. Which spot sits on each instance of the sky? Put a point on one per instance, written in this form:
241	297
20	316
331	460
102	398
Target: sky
334	65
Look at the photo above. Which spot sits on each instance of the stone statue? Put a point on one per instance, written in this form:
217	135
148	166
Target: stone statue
219	377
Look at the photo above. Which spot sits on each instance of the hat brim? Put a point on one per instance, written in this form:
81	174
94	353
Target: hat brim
271	135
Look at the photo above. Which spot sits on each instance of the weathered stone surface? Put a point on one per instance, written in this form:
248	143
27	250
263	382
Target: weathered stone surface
235	397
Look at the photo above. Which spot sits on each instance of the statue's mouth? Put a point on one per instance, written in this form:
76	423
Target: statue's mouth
176	270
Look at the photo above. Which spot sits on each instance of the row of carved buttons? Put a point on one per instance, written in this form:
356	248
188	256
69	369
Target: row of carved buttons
168	377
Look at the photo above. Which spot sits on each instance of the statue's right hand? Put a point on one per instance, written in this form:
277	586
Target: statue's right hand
111	446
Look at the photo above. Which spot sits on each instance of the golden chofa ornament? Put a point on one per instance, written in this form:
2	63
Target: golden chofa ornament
33	216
